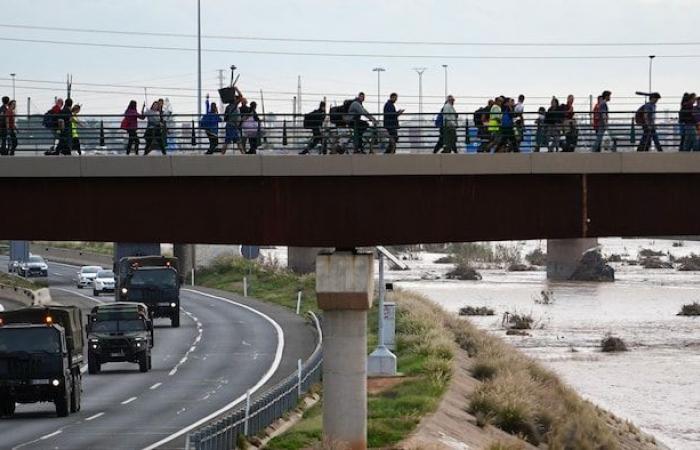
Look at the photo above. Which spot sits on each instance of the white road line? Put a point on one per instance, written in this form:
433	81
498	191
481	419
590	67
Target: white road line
155	386
270	372
96	300
57	274
94	417
200	331
50	435
129	400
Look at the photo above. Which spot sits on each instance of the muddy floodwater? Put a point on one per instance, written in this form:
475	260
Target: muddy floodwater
656	384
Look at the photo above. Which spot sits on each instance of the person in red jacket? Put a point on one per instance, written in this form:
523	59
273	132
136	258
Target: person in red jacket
130	123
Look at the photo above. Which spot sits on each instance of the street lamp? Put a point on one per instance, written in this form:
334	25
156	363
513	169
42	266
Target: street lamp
14	94
444	66
199	57
379	71
419	71
651	61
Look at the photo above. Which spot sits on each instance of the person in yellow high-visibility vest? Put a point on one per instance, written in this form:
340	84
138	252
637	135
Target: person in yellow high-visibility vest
74	123
494	125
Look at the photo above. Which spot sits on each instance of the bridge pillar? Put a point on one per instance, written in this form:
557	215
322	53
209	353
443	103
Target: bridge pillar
344	288
563	256
186	255
302	260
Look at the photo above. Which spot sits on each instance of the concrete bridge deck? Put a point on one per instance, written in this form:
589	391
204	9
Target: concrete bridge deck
346	201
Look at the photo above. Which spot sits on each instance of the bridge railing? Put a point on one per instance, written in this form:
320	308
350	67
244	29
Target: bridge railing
250	419
285	133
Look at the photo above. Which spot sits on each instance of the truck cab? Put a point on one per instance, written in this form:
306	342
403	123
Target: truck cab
119	332
40	358
153	281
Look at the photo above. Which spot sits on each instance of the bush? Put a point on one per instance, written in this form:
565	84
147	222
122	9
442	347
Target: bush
520	268
647	252
476	311
653	262
472	251
536	257
517	321
611	344
463	271
689	263
449	259
614	258
692	309
678	243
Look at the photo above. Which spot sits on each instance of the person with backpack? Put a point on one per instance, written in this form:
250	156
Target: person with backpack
481	119
3	125
359	126
688	123
600	118
130	123
64	129
210	124
646	117
391	122
50	122
314	121
508	140
449	125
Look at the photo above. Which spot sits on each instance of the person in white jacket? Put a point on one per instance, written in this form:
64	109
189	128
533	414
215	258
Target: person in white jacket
449	125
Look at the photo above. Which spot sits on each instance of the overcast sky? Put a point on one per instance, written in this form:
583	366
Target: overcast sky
470	80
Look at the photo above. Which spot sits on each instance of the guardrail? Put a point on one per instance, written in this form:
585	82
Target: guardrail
285	133
258	414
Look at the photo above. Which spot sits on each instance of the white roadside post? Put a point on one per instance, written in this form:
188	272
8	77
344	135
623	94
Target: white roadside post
381	362
298	302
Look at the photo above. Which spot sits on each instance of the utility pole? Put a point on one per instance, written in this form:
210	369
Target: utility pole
651	62
199	57
221	78
379	71
444	66
14	94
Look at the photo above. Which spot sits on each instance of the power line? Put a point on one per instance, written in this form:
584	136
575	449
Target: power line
343	55
354	41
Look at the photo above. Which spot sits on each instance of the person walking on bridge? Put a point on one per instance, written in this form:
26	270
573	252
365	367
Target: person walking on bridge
391	122
449	127
570	127
210	124
601	118
130	123
154	129
688	123
232	118
65	130
50	121
11	116
359	126
647	117
3	125
75	134
314	122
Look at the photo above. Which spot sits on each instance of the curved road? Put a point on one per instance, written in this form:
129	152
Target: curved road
223	348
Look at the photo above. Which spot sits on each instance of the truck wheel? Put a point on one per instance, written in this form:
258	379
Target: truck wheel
62	403
175	319
79	286
95	293
143	362
93	365
150	362
7	406
75	395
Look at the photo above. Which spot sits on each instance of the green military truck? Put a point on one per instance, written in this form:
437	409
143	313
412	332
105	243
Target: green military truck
119	332
41	351
151	280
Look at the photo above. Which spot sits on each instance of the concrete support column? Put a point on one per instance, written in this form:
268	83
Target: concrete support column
185	253
344	287
302	260
563	256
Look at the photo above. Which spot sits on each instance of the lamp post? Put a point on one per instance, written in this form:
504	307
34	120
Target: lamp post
14	94
651	62
379	71
444	66
419	71
199	57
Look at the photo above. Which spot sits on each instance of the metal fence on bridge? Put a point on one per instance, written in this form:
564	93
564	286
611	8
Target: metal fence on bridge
253	417
285	133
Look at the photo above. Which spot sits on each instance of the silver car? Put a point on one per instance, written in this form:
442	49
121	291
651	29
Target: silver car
86	275
103	282
35	266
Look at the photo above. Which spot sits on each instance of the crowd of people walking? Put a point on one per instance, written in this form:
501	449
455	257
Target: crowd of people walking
501	125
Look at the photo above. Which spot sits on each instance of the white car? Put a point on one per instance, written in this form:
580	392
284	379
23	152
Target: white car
86	275
103	282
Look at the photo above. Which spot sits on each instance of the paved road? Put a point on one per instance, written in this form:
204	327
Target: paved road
223	348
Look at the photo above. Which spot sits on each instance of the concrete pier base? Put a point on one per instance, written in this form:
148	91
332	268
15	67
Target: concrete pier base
344	286
302	260
563	256
185	253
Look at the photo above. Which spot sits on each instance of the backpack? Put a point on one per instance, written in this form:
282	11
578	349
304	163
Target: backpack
124	124
313	120
439	120
639	116
336	113
596	116
49	120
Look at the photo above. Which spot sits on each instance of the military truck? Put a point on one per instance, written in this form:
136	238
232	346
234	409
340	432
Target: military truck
151	280
119	332
41	351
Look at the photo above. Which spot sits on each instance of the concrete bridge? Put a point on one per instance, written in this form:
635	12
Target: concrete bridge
349	201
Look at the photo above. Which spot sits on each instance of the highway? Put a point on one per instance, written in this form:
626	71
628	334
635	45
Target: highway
222	349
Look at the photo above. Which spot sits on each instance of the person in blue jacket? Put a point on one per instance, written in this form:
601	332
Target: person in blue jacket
210	124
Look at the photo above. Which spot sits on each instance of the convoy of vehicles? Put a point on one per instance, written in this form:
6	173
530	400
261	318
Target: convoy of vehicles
34	266
103	282
86	275
119	332
41	351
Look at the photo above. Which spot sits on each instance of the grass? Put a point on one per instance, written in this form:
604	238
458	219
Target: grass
12	280
692	309
463	271
101	248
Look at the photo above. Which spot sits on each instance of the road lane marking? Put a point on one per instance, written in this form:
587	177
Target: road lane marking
96	300
200	331
94	417
50	435
155	386
270	372
129	400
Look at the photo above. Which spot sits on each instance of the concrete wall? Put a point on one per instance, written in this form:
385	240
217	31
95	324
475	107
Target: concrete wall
302	260
25	297
205	254
563	256
71	256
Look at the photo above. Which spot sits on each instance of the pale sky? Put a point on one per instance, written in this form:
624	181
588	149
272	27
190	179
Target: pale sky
340	77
